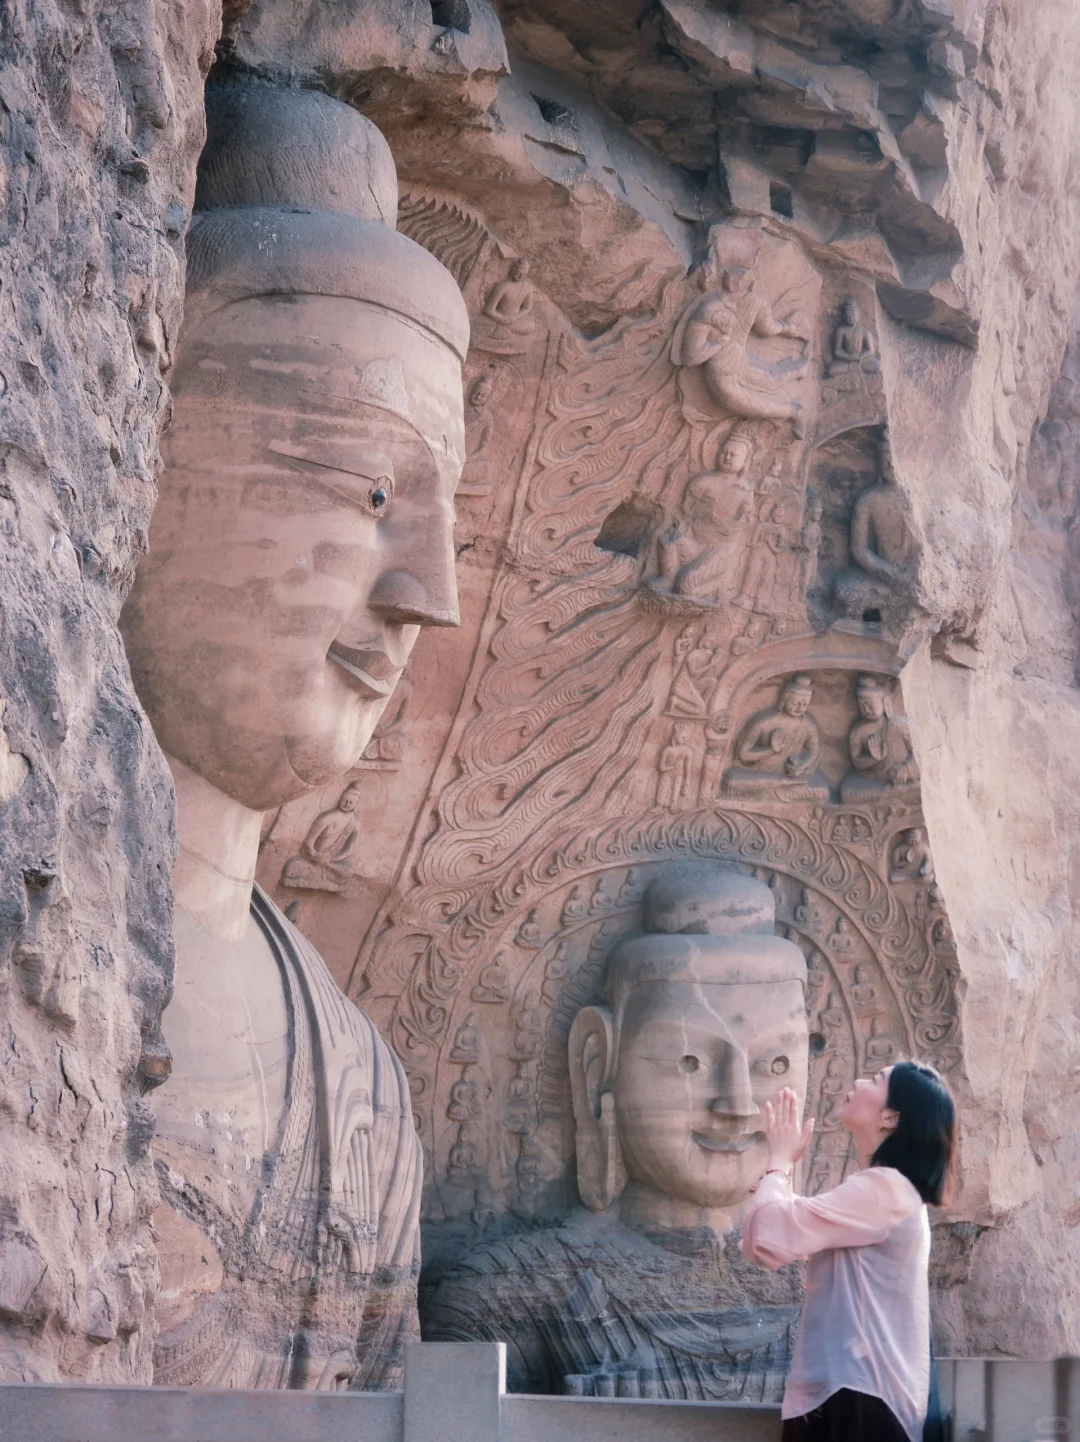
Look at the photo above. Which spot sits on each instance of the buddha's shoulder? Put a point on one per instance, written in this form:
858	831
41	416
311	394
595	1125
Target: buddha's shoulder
331	1008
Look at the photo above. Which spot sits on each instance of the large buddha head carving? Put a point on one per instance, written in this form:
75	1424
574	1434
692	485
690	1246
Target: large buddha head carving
704	1022
303	531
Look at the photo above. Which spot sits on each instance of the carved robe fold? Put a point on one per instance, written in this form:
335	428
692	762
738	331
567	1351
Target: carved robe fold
597	1308
313	1284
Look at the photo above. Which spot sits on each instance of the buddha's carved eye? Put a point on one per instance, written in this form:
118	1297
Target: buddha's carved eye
779	1065
688	1065
380	496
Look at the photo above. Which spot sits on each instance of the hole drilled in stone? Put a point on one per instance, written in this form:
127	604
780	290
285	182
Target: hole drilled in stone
553	112
872	616
451	15
817	1043
781	201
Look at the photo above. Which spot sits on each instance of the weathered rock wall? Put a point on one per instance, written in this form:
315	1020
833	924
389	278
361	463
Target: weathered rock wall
998	734
101	121
920	155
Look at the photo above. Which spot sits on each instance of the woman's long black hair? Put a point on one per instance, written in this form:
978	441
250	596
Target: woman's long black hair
923	1144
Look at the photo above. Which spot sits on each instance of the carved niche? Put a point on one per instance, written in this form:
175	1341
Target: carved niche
692	686
670	1067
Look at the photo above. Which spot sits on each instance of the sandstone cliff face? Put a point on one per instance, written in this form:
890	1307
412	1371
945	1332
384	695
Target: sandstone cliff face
924	153
998	733
100	125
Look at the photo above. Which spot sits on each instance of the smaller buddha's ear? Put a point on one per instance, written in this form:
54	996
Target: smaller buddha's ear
600	1171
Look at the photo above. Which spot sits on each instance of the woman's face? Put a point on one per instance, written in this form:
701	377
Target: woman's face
866	1104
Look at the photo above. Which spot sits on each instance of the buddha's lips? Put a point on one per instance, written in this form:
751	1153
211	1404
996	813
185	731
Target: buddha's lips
713	1142
372	673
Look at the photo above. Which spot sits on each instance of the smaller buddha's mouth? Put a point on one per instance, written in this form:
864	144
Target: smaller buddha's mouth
370	672
715	1143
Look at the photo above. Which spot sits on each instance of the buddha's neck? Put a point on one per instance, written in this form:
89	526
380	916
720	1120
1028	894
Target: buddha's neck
219	845
646	1209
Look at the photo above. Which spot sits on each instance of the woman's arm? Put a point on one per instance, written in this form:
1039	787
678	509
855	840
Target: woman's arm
782	1227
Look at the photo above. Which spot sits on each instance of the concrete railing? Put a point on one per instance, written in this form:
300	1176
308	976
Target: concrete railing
455	1392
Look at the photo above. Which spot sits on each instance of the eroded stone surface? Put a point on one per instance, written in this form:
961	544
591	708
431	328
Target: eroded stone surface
767	302
101	121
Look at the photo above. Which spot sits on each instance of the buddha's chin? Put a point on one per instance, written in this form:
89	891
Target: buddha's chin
728	1179
294	768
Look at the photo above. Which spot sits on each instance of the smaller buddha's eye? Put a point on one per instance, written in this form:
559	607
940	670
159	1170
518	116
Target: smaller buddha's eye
688	1065
780	1065
379	497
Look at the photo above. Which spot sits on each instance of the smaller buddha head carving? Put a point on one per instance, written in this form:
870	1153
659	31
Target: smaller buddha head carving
481	392
519	270
736	279
704	1021
870	698
737	450
796	695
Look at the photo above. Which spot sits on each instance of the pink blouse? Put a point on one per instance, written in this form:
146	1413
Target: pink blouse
866	1316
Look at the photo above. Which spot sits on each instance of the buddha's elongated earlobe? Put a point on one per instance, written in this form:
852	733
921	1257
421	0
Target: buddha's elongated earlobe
600	1170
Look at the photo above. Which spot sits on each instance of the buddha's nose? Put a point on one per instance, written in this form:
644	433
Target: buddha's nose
404	598
734	1097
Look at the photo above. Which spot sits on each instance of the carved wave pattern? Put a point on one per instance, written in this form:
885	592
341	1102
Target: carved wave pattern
452	232
538	794
566	698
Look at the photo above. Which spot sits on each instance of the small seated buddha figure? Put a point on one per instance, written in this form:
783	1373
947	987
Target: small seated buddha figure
879	744
778	750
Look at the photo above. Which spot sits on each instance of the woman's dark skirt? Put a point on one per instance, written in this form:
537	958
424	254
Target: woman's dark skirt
846	1417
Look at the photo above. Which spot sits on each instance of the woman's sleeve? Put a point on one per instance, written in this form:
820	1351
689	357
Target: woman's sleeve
781	1227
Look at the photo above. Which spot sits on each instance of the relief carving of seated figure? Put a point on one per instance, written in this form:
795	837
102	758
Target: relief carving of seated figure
325	862
713	334
303	534
778	750
640	1290
853	345
880	748
510	302
493	983
876	588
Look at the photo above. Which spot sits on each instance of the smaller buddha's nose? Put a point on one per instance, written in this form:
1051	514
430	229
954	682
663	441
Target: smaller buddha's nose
734	1097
